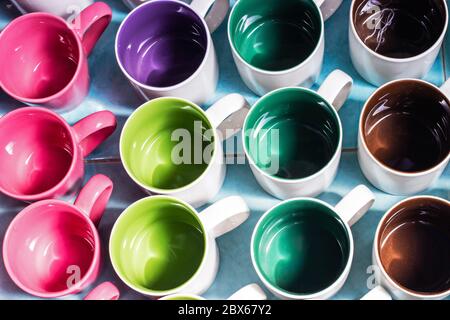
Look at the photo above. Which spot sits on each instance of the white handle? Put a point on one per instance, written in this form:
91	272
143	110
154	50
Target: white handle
228	114
445	88
328	7
214	15
250	292
225	215
377	293
336	88
355	204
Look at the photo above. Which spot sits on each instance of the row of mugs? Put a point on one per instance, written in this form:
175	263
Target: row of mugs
161	246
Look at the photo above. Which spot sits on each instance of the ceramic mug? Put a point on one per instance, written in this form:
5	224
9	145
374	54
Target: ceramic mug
133	3
154	158
411	251
43	59
42	156
278	44
303	248
104	291
52	248
62	8
161	245
165	48
398	39
403	140
249	292
293	137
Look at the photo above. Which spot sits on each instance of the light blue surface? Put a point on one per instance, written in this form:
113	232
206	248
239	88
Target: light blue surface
110	90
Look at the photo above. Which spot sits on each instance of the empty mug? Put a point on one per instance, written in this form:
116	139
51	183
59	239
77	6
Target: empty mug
43	59
62	8
42	157
249	292
161	245
165	48
52	248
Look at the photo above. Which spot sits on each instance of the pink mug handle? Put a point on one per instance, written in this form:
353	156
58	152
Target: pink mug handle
94	197
104	291
94	129
91	23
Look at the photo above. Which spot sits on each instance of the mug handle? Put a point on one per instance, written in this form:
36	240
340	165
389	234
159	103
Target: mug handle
91	23
104	291
225	215
355	204
214	11
94	196
336	88
94	129
328	7
445	88
250	292
228	114
377	293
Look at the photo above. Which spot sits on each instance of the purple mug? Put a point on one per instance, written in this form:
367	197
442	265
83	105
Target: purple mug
164	47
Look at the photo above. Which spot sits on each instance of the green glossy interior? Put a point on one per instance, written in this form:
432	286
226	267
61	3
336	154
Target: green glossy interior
275	35
301	247
308	133
157	244
148	145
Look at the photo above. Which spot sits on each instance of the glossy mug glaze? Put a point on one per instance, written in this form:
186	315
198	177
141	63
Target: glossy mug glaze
43	58
65	256
45	158
62	8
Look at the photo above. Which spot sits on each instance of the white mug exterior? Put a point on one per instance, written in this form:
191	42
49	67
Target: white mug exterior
390	180
378	69
249	292
62	8
351	208
335	89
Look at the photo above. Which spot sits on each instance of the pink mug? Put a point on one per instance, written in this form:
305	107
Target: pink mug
42	157
52	248
43	59
104	291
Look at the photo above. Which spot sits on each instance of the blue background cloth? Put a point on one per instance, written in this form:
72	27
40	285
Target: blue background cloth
110	90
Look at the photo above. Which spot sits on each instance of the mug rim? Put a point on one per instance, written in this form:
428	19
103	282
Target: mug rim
181	295
316	295
81	57
391	281
401	60
172	291
199	69
169	192
75	156
336	154
362	137
285	71
95	258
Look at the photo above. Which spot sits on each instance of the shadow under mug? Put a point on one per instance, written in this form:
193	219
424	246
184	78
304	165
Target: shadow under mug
42	157
278	44
181	153
52	248
398	39
293	137
43	58
165	49
411	251
62	8
302	249
404	136
249	292
161	245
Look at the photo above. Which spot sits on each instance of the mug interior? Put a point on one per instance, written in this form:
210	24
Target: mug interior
399	28
41	49
36	151
275	35
292	133
157	244
301	247
414	245
46	245
406	126
172	152
162	43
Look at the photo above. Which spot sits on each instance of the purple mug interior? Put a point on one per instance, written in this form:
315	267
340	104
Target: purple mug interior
162	43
